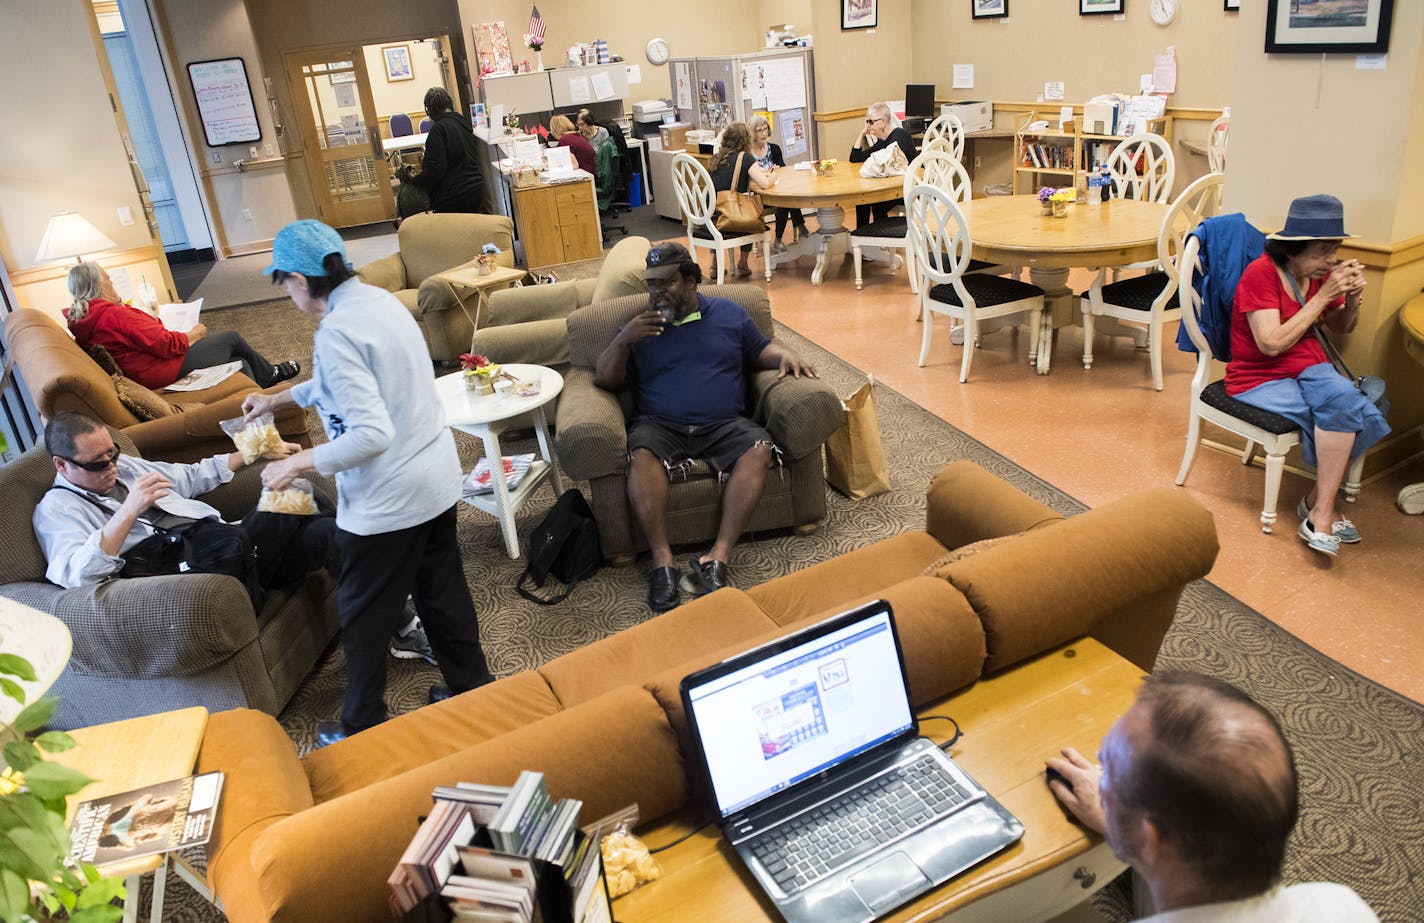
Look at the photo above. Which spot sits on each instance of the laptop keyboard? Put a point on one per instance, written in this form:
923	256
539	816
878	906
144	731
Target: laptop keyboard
824	839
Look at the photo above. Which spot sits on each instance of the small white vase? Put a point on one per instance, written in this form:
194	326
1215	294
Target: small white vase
539	58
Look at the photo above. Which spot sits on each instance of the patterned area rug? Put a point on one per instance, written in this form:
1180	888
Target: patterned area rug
1358	745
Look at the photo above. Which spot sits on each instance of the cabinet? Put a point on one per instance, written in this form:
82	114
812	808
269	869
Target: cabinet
558	223
1064	157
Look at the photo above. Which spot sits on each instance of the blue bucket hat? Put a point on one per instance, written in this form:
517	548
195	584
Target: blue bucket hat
302	246
1314	217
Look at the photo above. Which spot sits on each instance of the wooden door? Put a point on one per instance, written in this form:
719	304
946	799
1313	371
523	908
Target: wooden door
340	134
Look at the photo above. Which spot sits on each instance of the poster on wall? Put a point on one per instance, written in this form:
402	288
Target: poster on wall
224	100
793	133
1338	27
492	48
682	86
858	14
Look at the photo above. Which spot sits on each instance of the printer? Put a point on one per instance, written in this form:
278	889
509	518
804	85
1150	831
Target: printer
649	115
976	115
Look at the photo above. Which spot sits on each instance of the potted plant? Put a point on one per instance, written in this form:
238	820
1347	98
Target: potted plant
1045	199
480	373
825	167
40	881
1060	200
485	262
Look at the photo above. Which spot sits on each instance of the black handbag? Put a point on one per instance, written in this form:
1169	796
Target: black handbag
564	546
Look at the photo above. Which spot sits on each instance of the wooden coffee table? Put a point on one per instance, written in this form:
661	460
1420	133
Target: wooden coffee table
1069	696
481	284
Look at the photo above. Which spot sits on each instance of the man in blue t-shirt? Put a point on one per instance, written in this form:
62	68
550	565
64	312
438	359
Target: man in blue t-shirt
685	358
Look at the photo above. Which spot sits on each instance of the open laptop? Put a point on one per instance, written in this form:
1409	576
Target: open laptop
824	787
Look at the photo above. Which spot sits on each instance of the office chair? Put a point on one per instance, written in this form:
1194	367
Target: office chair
425	125
604	179
400	125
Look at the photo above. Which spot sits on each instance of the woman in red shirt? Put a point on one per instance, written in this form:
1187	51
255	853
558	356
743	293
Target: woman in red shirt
563	131
1277	364
144	349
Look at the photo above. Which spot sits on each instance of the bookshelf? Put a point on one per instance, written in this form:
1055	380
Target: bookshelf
1064	157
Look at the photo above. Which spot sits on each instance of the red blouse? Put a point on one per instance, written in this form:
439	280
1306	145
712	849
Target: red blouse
145	350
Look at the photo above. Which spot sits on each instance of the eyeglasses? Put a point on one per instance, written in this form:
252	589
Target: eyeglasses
873	121
110	459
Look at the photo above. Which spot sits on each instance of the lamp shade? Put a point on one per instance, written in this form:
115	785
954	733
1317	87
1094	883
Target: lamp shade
41	639
70	234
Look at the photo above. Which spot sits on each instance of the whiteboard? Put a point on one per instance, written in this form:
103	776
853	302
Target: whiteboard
224	101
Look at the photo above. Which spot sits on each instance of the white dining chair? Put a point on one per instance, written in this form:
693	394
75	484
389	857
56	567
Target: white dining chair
1216	144
1150	301
696	197
1144	166
948	128
939	236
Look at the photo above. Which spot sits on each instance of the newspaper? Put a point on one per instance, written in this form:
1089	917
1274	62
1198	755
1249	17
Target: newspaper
479	481
147	821
198	379
180	318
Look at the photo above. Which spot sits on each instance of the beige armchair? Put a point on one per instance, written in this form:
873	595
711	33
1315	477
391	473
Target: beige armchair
592	441
528	324
431	244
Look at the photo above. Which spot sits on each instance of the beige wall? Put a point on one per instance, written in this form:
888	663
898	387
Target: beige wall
403	95
858	67
61	150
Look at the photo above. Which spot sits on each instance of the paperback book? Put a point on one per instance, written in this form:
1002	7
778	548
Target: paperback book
146	821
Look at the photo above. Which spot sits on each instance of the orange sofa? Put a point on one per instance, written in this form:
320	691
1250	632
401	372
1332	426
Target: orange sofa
314	838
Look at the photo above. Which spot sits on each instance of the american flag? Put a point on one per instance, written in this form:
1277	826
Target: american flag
536	27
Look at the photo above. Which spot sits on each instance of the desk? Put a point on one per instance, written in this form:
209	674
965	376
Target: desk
480	415
830	196
127	755
558	223
1013	721
469	277
404	143
1013	230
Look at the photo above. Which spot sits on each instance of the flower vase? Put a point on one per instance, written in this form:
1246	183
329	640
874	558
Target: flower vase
484	265
539	58
1060	209
480	384
1047	209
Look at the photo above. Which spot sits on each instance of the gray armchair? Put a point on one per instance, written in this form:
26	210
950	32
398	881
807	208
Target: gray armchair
151	644
592	441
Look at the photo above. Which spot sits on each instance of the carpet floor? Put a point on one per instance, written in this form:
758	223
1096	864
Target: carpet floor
1358	746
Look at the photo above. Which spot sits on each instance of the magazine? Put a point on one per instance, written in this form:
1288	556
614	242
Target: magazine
198	379
147	821
478	481
180	318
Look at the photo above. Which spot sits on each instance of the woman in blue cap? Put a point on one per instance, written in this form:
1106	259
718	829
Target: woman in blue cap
1278	364
397	474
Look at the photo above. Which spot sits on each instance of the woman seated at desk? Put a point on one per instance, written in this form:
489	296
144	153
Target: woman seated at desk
728	174
882	129
563	131
768	157
144	349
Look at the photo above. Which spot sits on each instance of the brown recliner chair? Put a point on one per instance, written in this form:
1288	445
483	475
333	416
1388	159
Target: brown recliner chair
61	377
800	413
430	244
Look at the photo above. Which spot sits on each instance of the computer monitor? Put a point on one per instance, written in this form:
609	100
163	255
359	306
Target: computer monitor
919	100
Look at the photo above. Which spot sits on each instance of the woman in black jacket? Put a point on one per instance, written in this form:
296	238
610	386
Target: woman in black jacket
450	172
882	129
769	157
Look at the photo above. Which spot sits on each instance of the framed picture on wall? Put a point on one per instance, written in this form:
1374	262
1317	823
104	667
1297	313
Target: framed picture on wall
1231	6
1339	27
859	14
1099	7
397	63
989	9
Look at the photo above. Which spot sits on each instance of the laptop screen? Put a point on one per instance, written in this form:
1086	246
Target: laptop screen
785	712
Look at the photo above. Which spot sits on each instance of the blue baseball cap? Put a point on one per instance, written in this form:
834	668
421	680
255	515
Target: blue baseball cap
302	246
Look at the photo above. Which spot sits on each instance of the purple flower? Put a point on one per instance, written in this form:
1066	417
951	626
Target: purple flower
1044	193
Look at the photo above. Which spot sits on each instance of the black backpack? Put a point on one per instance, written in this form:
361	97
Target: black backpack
564	546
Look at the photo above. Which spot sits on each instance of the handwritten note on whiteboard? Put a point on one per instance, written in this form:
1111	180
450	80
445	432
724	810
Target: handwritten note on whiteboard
224	100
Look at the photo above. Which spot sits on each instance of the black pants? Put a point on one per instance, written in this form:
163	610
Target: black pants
378	572
289	547
797	219
864	214
222	348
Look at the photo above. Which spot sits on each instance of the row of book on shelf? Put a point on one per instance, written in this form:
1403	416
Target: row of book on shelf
1047	156
501	854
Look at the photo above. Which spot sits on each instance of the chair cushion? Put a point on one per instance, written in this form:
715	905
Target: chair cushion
1138	293
1214	395
980	265
103	358
701	233
987	290
885	227
141	402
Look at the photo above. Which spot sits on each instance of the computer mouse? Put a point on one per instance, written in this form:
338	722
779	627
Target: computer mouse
1052	775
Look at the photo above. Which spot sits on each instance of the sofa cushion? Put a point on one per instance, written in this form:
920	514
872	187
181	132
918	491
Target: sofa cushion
609	752
936	568
708	623
431	243
967	503
428	734
103	359
142	402
622	270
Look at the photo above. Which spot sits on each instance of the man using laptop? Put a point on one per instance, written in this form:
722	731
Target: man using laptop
685	358
1197	792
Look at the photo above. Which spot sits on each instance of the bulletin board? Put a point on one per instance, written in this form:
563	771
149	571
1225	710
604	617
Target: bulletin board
224	100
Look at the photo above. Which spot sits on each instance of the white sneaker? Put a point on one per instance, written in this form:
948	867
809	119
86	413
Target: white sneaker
1411	499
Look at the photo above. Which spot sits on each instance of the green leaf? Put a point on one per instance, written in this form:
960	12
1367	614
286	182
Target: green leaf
15	665
13	689
37	848
12	857
21	755
55	741
100	892
37	715
104	914
14	895
51	780
22	809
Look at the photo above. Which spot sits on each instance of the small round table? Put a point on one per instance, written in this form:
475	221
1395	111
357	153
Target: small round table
830	195
1014	230
480	415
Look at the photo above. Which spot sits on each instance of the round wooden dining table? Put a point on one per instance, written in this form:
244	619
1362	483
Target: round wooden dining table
830	195
1013	230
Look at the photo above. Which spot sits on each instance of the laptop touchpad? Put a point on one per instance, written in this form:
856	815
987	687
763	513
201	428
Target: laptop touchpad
889	882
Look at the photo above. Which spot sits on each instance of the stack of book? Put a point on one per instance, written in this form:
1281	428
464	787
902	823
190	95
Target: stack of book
497	854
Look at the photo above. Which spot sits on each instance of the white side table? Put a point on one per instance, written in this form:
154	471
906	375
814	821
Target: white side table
481	415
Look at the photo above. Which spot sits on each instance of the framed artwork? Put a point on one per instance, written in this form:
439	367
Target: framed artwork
1336	27
989	9
1231	6
858	14
1099	7
397	63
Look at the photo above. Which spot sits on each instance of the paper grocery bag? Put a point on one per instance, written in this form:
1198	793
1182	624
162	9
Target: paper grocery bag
855	459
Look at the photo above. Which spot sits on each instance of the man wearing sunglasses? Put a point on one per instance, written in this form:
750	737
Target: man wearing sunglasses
103	503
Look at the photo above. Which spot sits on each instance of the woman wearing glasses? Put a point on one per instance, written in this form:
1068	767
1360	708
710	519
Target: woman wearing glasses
882	129
768	156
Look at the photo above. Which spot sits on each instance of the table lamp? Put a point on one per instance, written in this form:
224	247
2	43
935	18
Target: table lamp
70	234
41	639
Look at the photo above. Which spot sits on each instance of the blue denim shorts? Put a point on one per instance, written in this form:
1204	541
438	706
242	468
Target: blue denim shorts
1321	397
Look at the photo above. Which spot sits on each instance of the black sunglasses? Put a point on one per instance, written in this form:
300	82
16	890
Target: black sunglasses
102	464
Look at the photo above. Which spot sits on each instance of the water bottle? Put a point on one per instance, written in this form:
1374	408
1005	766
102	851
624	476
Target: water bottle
1105	178
1095	191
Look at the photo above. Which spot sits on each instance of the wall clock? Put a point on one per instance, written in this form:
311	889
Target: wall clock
658	51
1163	11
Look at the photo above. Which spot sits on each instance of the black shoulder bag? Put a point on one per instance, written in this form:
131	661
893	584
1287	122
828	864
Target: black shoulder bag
204	546
564	546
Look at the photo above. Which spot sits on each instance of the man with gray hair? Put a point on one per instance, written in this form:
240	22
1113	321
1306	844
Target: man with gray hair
1197	792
